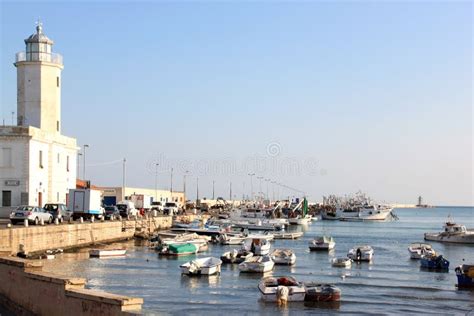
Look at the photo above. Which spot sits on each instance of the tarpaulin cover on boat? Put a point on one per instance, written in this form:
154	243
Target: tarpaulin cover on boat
180	248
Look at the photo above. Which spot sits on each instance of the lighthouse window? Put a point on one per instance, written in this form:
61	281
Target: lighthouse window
57	126
57	82
67	163
41	159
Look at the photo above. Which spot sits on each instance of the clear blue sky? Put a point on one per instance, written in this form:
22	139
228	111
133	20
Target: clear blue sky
324	97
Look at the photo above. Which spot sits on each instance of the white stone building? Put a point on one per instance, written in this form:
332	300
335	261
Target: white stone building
37	163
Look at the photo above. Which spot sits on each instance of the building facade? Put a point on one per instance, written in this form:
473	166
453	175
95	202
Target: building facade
113	195
37	163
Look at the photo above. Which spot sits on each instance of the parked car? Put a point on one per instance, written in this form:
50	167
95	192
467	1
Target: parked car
58	211
171	208
33	214
112	212
158	206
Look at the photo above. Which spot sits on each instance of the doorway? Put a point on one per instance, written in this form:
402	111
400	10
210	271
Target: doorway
6	198
40	199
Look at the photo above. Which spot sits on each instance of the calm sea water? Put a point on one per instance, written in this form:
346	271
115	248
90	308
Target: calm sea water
391	284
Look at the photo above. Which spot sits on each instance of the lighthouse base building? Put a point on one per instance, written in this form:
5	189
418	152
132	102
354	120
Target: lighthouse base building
37	164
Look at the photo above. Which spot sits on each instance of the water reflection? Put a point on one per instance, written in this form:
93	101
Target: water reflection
196	281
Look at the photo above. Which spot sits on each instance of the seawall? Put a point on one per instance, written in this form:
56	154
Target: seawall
36	239
25	289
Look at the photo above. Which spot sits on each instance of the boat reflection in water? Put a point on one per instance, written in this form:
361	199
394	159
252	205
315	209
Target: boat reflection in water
194	282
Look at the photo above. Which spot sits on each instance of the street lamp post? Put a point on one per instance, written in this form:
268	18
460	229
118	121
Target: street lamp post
184	182
84	164
213	188
171	185
78	164
260	186
267	180
123	177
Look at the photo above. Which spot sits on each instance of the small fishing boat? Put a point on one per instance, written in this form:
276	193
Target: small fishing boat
258	246
269	289
436	262
322	243
283	235
417	250
257	264
202	266
300	220
465	275
236	256
283	256
232	239
341	262
453	233
101	253
322	293
177	249
361	253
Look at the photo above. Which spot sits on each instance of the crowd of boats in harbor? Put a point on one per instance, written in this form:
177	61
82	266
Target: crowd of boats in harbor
251	232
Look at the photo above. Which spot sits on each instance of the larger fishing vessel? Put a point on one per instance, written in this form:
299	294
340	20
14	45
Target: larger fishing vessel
453	233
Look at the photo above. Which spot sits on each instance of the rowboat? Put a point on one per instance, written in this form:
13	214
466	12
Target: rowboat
322	243
294	235
202	266
236	256
417	250
465	275
177	249
269	289
258	246
283	256
341	262
322	293
101	253
434	262
257	264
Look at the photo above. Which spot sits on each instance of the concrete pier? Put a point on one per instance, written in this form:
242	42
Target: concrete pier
25	289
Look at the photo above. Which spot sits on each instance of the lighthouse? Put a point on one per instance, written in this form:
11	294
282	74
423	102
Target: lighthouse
39	83
37	163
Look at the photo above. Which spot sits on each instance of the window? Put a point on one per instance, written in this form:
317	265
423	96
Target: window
41	159
57	82
67	163
57	196
57	126
6	157
58	157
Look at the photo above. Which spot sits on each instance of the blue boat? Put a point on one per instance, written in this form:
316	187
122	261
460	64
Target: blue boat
434	262
465	274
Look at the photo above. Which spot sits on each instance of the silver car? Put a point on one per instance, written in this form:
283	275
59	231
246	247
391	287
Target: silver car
33	214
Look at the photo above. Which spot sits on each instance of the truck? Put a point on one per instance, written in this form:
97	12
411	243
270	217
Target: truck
141	201
85	203
127	208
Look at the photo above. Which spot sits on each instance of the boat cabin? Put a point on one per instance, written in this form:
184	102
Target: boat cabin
452	228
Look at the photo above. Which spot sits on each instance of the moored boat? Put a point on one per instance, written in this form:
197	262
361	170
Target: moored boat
294	235
236	256
436	262
101	253
465	275
417	250
361	253
322	293
177	249
202	266
231	239
453	233
269	289
322	243
258	246
283	256
341	262
257	264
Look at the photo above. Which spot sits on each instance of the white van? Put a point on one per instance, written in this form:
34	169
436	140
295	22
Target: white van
127	208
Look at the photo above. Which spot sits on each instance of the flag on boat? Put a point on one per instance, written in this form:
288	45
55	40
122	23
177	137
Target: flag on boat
305	207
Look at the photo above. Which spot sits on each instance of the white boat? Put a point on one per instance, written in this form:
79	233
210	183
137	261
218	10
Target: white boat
257	264
366	214
232	239
294	235
361	253
236	256
417	250
331	214
341	262
300	220
101	253
269	289
257	246
453	233
283	256
322	243
200	243
202	266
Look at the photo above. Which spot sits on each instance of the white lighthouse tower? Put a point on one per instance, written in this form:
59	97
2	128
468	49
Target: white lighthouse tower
39	83
37	163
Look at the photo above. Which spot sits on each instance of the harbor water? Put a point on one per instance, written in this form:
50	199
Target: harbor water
391	284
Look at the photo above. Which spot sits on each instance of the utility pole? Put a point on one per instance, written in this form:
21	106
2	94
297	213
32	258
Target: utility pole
197	190
78	164
84	166
260	185
251	185
156	181
213	184
123	177
267	180
184	182
171	185
230	191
